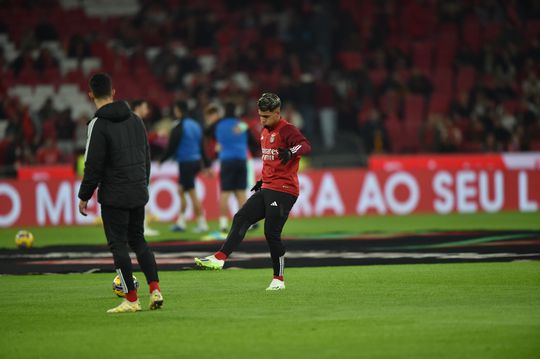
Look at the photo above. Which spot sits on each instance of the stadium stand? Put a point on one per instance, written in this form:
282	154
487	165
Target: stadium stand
444	75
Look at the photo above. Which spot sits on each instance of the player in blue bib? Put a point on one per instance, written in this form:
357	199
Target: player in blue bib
233	139
186	145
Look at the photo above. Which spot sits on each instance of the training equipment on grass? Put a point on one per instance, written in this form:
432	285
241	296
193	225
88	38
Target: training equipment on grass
117	286
24	239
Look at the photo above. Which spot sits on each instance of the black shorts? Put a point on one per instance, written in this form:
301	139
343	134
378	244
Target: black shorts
233	175
188	172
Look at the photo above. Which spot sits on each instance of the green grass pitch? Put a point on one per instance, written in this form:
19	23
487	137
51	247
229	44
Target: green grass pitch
301	227
394	311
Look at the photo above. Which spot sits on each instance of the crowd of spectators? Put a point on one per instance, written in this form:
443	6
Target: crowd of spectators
339	66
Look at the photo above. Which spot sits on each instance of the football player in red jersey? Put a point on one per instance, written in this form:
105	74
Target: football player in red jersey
276	191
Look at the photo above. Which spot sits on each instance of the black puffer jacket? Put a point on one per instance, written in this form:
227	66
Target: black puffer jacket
117	158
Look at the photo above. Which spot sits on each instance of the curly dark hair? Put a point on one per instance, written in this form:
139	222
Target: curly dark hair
269	102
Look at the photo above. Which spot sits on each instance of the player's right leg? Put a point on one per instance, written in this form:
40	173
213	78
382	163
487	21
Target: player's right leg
252	211
240	196
149	231
224	210
180	224
115	224
202	225
227	181
278	206
145	256
189	171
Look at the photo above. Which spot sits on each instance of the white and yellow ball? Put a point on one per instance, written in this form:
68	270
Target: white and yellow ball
117	286
24	239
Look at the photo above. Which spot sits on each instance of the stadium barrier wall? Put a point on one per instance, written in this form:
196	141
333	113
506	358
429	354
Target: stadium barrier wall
482	161
337	192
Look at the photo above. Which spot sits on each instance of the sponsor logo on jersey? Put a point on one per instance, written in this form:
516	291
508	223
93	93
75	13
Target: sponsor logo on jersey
269	154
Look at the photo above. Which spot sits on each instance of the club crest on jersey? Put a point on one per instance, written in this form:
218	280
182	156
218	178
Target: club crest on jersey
272	138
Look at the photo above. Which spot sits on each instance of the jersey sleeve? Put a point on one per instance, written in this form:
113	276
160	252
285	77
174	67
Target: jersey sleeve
148	162
253	146
95	157
174	141
295	141
210	131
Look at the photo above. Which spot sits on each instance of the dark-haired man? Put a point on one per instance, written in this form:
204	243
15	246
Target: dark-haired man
117	161
186	145
276	192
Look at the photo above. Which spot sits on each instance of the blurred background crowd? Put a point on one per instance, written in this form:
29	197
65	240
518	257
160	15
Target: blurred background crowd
357	77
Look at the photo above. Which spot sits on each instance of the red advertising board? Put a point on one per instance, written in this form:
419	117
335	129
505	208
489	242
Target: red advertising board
323	193
484	161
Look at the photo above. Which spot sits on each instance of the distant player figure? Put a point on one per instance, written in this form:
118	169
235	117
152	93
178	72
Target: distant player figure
276	192
186	145
233	139
117	161
140	108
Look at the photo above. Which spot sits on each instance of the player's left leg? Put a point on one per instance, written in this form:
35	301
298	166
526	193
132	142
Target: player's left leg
115	224
278	205
145	256
251	212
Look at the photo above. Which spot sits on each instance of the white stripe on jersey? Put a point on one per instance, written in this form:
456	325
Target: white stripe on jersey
295	148
90	128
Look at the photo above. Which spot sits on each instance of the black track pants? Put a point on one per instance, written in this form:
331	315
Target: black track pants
124	229
274	207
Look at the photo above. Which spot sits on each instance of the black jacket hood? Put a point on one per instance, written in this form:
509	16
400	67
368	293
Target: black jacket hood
117	111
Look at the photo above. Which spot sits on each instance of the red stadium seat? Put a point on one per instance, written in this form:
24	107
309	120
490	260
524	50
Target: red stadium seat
28	76
439	103
535	145
443	81
423	56
446	46
414	109
419	19
472	33
411	134
466	79
351	60
377	76
395	134
491	32
471	147
513	106
533	28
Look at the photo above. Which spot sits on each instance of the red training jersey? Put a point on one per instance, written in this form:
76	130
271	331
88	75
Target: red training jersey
276	176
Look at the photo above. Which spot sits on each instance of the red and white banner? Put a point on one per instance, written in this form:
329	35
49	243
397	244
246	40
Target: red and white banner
323	193
484	161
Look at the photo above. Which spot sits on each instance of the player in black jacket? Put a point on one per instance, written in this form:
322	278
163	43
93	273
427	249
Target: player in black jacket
117	162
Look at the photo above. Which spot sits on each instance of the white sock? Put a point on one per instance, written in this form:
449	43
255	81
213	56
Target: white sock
223	222
201	222
181	222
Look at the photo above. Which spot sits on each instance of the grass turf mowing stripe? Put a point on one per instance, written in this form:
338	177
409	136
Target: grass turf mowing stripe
464	243
404	311
78	235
